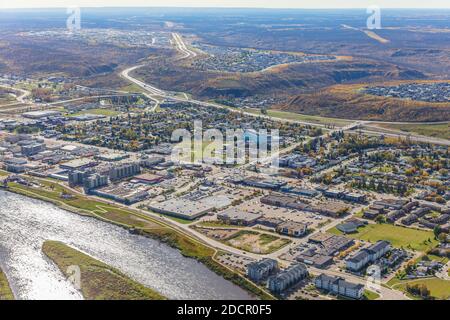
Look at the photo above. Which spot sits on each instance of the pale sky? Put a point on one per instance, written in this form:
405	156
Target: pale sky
228	3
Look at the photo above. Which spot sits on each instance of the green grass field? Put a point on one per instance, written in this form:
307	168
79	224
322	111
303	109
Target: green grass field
430	130
419	240
255	242
370	295
132	88
114	284
443	260
217	224
98	111
180	220
301	117
5	290
439	288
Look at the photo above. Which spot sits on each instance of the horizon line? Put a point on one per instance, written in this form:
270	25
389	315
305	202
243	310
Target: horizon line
224	7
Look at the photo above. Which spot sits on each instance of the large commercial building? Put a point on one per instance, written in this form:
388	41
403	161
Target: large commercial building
112	156
310	193
292	228
238	217
78	164
32	149
41	114
182	208
149	178
344	195
264	183
16	165
121	192
149	162
279	200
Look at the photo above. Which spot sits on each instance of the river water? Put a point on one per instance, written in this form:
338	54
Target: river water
26	223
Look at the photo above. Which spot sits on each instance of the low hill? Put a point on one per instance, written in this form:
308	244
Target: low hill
283	80
349	102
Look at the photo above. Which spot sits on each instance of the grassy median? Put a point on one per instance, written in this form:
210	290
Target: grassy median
440	130
5	290
98	280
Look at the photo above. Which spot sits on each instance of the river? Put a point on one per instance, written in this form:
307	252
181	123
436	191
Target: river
26	223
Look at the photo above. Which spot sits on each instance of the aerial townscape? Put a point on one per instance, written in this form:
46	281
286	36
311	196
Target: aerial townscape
321	171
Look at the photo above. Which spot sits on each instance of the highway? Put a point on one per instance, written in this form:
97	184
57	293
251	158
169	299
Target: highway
181	46
357	123
412	137
20	99
385	293
43	106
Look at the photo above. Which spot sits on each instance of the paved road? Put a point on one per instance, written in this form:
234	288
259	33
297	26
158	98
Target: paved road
161	93
20	99
181	46
50	105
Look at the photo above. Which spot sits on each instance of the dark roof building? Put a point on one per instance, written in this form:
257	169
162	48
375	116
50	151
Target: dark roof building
238	217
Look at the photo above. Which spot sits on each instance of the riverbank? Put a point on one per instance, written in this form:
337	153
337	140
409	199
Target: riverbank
5	290
98	281
140	223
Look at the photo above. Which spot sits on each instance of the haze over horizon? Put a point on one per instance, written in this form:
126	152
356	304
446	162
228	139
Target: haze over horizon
307	4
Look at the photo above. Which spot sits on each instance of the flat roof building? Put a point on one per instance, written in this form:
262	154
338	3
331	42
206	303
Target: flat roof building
41	114
78	164
292	228
310	193
238	217
182	208
112	156
149	178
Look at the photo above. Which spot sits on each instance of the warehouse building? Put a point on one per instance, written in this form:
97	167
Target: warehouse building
182	208
41	114
238	217
292	228
78	164
149	178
